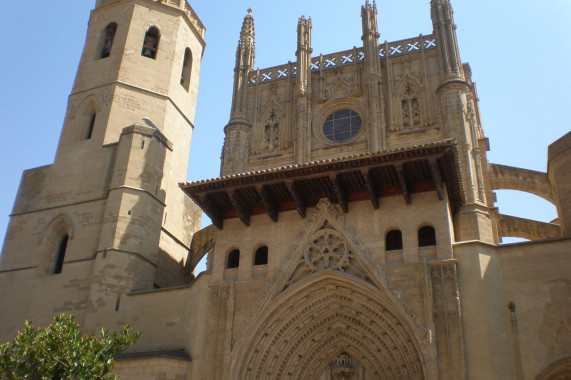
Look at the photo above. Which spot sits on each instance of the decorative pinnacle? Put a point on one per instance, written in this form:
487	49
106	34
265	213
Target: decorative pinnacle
248	25
305	21
368	6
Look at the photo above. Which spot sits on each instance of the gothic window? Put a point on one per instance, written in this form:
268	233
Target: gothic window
393	240
62	247
151	43
108	37
342	125
233	259
186	69
261	256
426	236
90	126
56	239
272	132
410	107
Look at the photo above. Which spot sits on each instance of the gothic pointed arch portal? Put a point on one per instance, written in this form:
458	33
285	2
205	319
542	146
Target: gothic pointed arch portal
329	315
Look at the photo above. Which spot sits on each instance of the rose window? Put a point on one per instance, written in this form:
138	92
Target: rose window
342	126
328	250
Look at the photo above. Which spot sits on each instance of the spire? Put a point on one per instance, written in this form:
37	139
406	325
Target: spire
247	34
245	61
247	44
445	33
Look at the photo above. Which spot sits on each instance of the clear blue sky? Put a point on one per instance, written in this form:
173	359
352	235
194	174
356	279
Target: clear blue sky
519	52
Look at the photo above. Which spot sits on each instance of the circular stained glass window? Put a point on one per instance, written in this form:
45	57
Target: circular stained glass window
342	125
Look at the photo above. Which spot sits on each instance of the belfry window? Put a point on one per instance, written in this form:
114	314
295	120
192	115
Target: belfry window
186	69
393	240
426	236
151	43
90	126
62	247
261	256
108	38
233	259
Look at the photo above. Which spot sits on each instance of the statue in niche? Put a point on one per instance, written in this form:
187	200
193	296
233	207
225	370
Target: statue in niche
343	368
410	107
272	132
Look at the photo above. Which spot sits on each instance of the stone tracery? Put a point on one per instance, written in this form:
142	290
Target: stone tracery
328	250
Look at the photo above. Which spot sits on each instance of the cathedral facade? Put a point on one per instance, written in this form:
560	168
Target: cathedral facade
354	229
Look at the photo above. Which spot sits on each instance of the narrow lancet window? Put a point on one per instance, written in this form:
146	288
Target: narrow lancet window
61	254
109	37
151	43
186	69
90	126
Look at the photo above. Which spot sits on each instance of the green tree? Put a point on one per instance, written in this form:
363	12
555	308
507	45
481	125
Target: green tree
60	351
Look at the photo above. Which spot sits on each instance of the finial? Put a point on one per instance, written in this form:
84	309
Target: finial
250	11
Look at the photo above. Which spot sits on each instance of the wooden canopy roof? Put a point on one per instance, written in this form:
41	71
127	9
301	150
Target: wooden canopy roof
343	180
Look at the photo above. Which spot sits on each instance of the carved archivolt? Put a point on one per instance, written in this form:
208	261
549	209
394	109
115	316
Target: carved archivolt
328	313
560	370
328	301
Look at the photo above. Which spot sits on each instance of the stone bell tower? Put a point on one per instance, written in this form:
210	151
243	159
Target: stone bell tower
108	214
